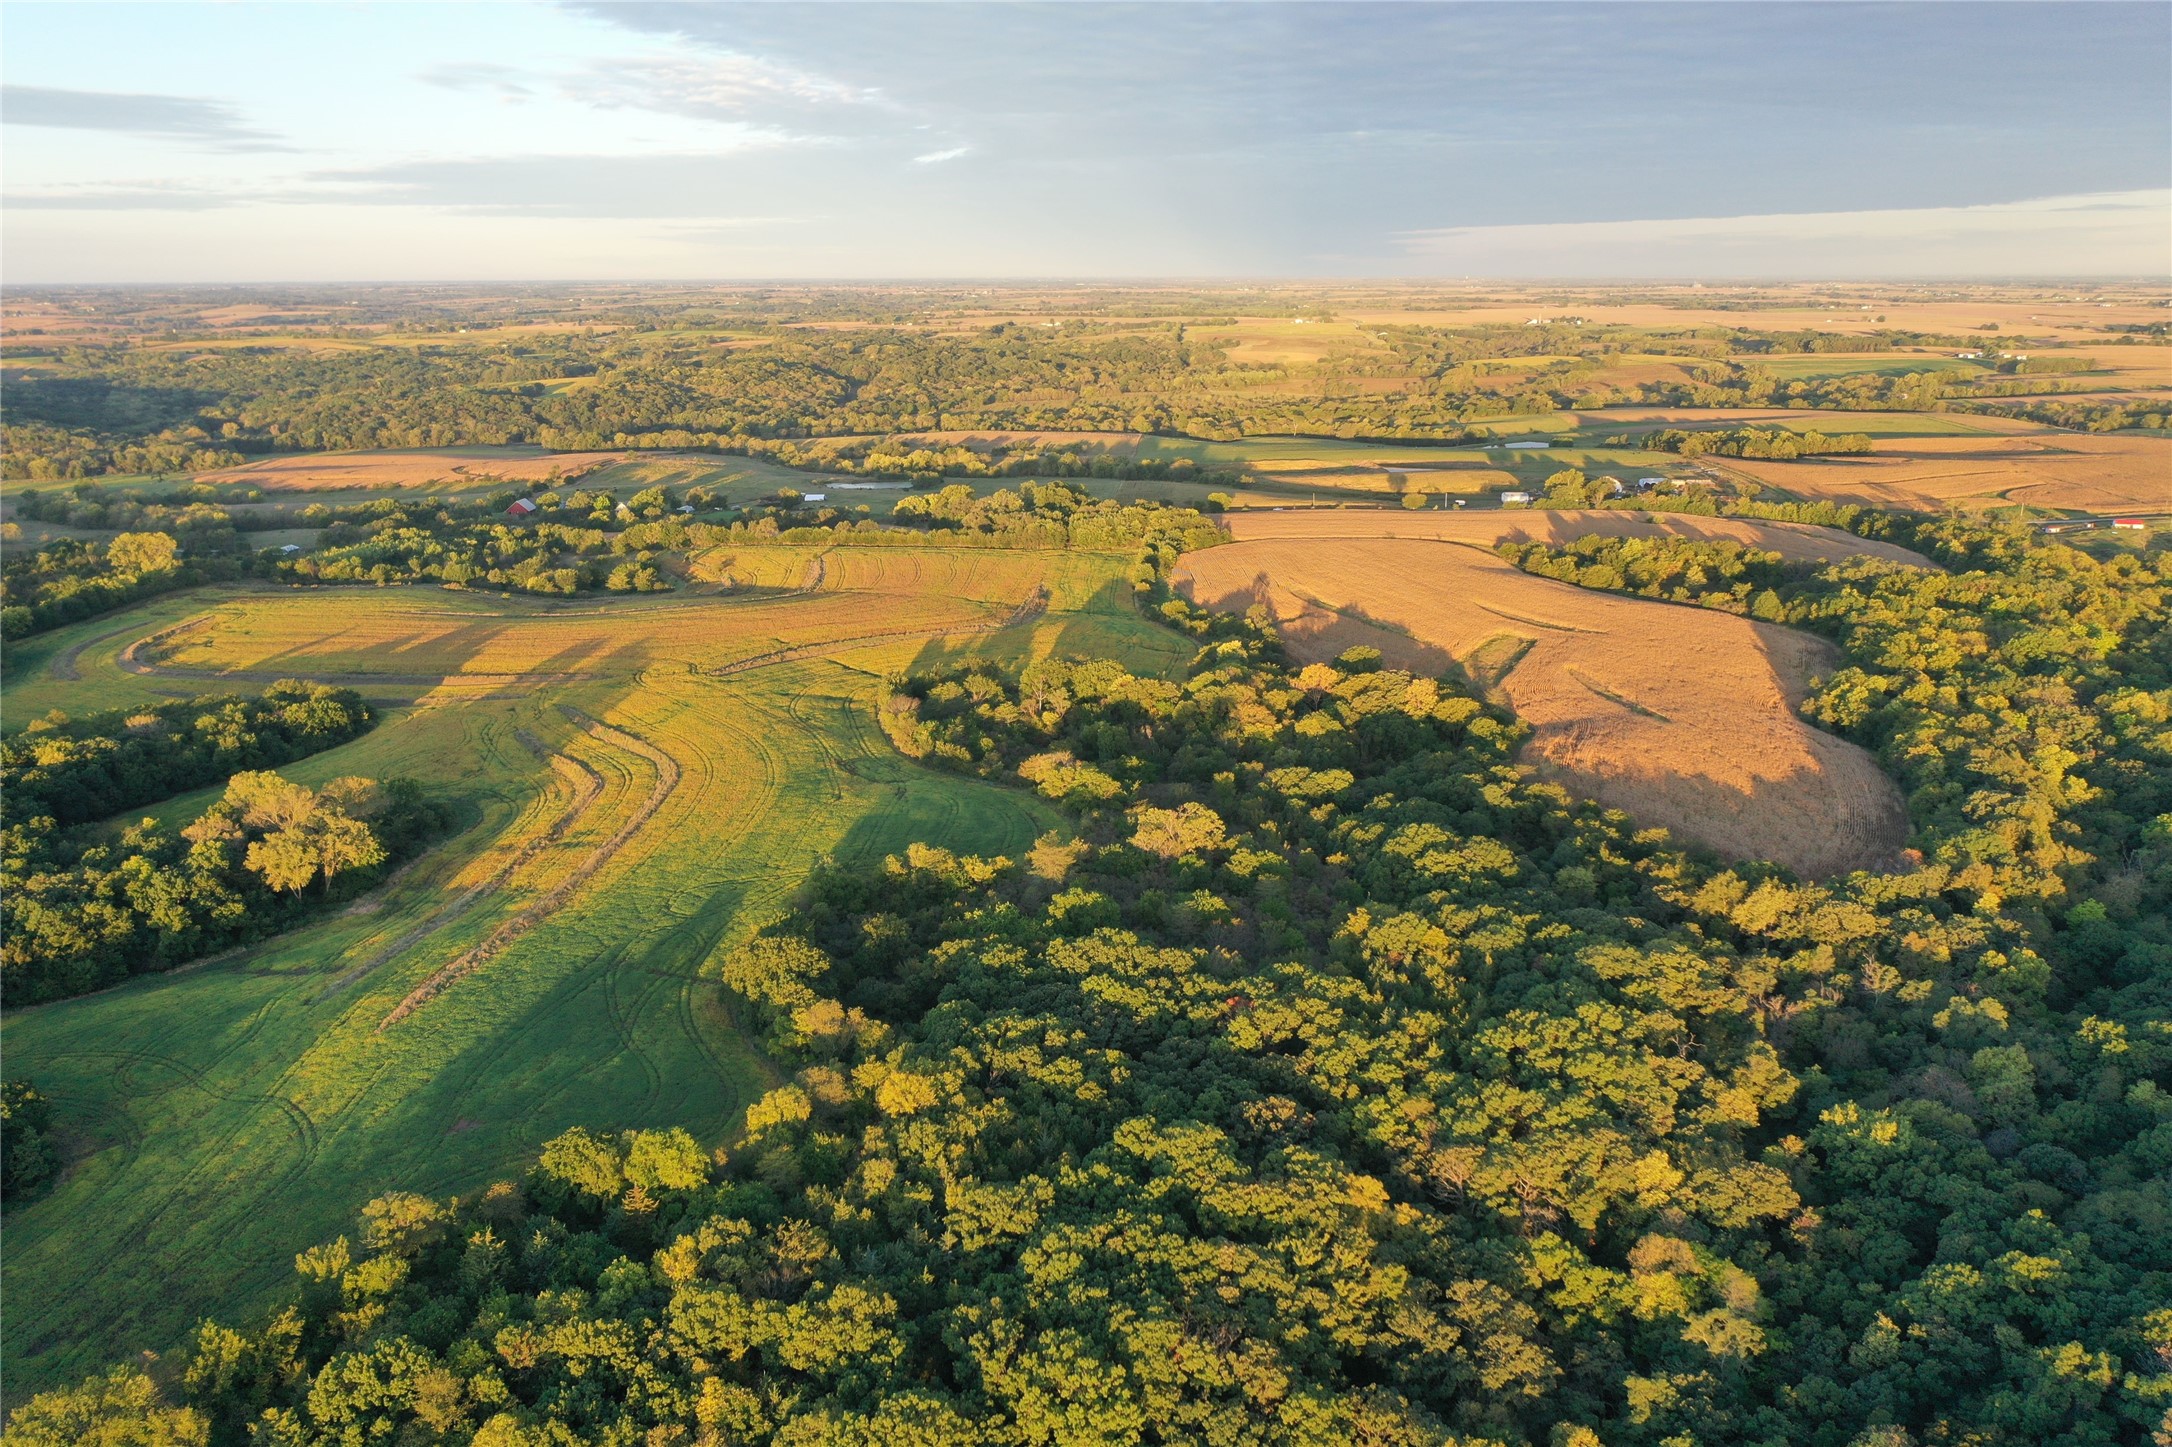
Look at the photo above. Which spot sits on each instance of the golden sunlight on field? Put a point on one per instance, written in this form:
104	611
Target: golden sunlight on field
1682	717
1484	529
2039	468
455	467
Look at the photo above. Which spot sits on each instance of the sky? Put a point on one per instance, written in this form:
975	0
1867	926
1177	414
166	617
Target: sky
236	142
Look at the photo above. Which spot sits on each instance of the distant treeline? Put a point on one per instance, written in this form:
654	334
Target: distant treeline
1776	443
92	410
2093	416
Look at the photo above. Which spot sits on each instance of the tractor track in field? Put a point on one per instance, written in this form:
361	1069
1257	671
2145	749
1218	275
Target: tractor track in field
127	1061
1025	612
587	786
667	781
622	1025
62	664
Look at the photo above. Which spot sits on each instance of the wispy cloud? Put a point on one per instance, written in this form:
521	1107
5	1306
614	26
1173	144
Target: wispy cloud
503	81
150	196
212	125
733	88
2102	233
726	86
935	157
717	187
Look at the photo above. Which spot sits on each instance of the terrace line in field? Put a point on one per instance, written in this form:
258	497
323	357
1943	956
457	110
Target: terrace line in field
1685	718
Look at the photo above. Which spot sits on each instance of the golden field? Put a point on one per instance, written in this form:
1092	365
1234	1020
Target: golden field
1685	718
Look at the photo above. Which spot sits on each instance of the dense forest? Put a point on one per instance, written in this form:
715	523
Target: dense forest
1328	1080
90	900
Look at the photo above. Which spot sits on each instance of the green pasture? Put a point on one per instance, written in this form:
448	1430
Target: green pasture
739	480
221	1118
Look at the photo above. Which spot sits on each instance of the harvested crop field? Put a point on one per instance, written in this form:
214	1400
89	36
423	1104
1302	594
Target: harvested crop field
450	467
1797	419
1684	718
2038	467
1796	541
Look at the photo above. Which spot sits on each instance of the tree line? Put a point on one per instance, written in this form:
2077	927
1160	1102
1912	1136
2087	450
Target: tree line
70	579
74	770
1775	443
89	900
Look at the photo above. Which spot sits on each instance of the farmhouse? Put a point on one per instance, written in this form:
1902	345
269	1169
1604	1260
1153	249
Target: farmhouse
290	548
521	507
2136	524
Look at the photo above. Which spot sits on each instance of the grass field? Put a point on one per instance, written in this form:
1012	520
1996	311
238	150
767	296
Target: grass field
221	1118
1683	717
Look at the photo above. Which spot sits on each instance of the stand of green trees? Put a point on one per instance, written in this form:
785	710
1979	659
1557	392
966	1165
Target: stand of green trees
2089	416
28	1160
68	580
1778	443
1331	1081
88	904
74	770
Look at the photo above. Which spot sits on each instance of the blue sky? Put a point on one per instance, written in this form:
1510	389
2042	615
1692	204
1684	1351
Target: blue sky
297	142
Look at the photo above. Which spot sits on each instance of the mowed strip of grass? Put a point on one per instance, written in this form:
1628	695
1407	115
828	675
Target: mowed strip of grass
219	1119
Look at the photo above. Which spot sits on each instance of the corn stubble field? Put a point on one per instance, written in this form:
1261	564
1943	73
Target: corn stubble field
641	784
1685	718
